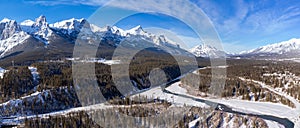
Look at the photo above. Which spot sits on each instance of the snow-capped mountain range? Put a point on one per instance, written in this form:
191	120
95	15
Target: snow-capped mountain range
281	50
278	48
285	49
13	34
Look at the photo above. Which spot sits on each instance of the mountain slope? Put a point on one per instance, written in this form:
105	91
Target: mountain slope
6	45
285	49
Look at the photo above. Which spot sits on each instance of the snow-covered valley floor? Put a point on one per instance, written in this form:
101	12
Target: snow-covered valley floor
249	107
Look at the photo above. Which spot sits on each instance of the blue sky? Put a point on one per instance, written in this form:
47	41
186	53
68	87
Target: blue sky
241	24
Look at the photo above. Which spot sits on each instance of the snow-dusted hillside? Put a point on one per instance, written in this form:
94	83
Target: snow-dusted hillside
2	71
12	41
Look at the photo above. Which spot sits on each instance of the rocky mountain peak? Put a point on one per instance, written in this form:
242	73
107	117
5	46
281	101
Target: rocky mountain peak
8	28
41	21
207	51
138	30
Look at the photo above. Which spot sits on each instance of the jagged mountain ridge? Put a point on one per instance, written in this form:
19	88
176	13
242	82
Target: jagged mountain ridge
57	41
14	34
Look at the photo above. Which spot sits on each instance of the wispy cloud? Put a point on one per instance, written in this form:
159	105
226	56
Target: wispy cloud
245	16
183	10
239	22
67	2
248	22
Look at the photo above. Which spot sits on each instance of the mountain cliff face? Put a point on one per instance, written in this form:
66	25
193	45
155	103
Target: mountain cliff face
11	35
8	28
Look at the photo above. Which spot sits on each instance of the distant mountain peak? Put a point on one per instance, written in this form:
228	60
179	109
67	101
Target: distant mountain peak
41	18
74	19
70	24
277	48
137	30
9	22
39	28
204	50
41	21
5	20
27	23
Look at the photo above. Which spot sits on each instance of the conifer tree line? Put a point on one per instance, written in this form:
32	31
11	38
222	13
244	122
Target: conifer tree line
16	82
253	70
56	83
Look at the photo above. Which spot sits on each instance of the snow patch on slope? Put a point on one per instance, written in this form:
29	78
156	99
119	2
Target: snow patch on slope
16	39
34	73
2	71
